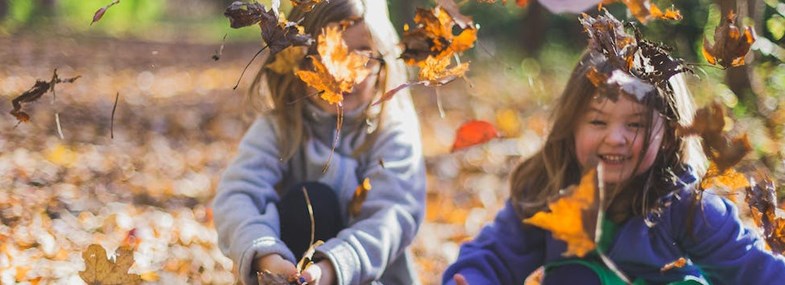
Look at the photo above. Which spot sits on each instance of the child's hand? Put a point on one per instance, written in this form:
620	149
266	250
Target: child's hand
459	280
321	273
275	264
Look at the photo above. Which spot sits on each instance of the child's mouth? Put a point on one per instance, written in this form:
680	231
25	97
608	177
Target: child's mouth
613	159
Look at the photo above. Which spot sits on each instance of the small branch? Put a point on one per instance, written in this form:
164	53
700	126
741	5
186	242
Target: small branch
111	124
247	65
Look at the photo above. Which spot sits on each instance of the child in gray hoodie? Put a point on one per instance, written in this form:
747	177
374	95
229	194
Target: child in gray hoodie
260	209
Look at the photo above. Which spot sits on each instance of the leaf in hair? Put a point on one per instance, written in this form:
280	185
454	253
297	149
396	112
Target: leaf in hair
573	218
307	5
730	44
335	70
607	36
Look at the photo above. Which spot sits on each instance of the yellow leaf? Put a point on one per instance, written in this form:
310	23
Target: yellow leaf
61	155
360	193
288	59
99	270
566	219
435	70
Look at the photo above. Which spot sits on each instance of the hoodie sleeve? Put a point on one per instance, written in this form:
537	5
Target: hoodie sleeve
726	251
246	217
392	212
505	252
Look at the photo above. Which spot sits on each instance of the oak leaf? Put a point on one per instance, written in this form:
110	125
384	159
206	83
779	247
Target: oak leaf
573	218
336	70
100	270
730	44
473	133
360	194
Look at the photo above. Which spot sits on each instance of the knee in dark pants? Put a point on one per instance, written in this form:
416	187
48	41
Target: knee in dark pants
296	221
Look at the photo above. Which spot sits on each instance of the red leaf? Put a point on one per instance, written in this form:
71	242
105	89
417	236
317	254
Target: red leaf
473	133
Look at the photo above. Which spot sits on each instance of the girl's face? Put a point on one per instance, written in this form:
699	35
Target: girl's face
357	38
613	133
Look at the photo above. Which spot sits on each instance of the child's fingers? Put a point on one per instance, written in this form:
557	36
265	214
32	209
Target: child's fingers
459	279
312	274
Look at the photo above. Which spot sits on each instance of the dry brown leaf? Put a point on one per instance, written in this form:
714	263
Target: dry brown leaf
730	44
719	147
568	220
729	178
678	263
360	193
762	198
99	270
433	34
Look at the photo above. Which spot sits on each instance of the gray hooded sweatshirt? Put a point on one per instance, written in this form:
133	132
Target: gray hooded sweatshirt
373	246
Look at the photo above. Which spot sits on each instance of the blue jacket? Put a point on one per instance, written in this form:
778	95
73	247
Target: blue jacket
719	249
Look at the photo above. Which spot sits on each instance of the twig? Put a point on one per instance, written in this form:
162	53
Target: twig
111	124
59	129
439	103
247	65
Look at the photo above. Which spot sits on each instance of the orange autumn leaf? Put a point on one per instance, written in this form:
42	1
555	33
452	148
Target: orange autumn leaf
678	263
360	193
571	216
434	72
720	148
336	70
473	133
730	44
729	178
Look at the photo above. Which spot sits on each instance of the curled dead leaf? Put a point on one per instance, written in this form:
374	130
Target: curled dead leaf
730	43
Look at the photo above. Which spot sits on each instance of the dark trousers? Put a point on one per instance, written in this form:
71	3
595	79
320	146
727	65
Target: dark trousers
571	274
296	222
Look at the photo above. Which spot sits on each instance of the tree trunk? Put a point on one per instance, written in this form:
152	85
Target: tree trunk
3	9
531	28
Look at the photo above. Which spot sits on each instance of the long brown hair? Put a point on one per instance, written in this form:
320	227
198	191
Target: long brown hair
282	94
538	179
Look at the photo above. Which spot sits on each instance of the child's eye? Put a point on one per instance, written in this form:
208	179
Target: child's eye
597	123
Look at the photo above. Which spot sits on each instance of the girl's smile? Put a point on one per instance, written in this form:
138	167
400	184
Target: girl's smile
613	133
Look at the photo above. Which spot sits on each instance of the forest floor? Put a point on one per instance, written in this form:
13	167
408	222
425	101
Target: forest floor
151	172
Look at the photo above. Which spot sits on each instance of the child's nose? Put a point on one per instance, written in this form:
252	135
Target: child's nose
616	136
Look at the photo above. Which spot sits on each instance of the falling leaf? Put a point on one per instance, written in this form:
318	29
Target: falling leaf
678	263
761	197
336	70
288	60
730	44
573	218
360	193
100	270
277	32
100	13
729	178
34	93
433	34
218	53
473	133
434	72
718	146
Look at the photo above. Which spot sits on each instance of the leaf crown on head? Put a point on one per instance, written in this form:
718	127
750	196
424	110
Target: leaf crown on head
639	68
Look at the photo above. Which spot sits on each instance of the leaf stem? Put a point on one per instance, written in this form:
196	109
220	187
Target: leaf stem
247	65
